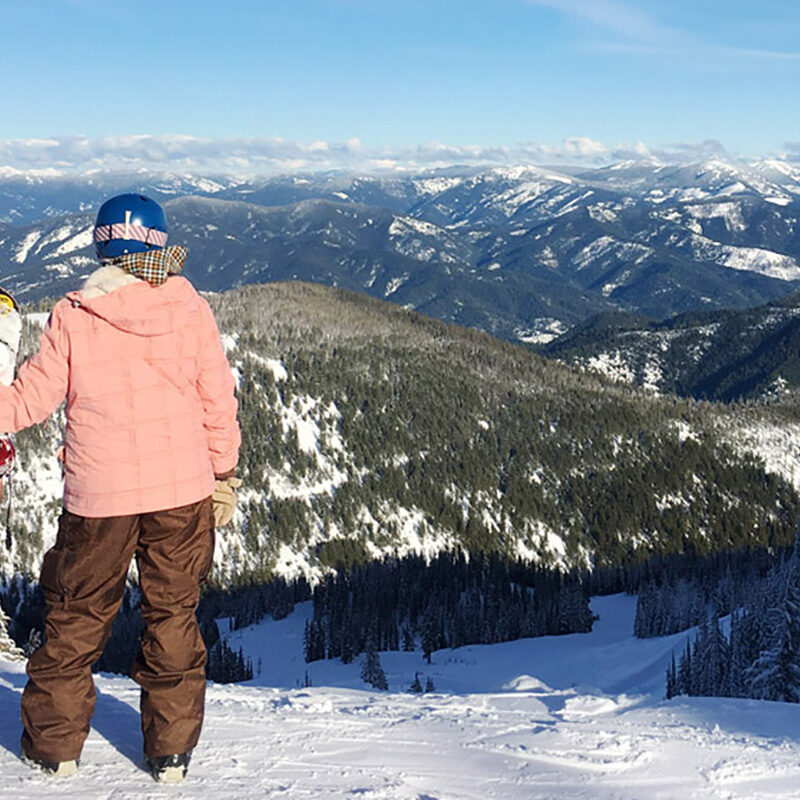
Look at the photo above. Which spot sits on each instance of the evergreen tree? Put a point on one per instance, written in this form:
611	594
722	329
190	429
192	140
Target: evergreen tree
684	682
698	679
308	647
697	612
672	679
776	673
225	665
347	650
372	672
737	665
641	622
715	661
430	632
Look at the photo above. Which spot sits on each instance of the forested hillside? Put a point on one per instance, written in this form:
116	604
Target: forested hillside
714	355
369	429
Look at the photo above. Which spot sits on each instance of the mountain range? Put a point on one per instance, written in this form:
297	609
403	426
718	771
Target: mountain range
635	298
524	253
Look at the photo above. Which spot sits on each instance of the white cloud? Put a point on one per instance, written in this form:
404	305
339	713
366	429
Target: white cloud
584	147
180	153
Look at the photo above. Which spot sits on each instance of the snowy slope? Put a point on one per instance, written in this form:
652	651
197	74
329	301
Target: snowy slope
543	719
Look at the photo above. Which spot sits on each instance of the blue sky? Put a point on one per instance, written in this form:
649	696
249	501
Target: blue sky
396	74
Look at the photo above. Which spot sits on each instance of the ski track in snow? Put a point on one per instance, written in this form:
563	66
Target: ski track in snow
493	730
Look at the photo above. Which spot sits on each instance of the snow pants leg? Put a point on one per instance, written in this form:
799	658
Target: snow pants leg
176	549
83	578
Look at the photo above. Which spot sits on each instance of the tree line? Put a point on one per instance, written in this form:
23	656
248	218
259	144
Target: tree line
758	656
455	599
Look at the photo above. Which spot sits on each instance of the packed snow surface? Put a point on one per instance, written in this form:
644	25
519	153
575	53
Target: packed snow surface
569	717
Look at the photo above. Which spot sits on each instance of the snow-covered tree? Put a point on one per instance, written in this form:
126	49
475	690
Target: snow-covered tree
372	672
8	648
776	673
715	657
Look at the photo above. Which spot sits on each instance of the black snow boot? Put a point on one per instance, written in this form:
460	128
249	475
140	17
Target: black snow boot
58	769
169	769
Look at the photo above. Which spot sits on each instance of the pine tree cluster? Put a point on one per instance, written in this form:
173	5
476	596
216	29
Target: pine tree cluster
8	647
23	601
226	665
679	592
372	670
760	657
250	603
416	685
451	601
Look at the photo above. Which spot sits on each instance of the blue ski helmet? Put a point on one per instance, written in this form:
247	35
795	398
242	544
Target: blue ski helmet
129	223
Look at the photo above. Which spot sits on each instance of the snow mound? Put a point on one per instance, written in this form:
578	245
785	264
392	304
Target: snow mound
527	683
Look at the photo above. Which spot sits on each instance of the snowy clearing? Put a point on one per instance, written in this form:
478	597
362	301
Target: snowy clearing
575	716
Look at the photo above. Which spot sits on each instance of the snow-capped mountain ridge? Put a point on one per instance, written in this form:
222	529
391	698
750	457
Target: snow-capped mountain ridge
496	248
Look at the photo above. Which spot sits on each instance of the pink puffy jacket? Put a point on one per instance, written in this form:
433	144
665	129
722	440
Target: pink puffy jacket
151	411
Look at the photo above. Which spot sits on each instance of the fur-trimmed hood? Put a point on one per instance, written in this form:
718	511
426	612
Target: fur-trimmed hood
134	305
105	280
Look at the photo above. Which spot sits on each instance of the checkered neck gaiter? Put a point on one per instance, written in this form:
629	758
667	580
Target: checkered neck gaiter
155	266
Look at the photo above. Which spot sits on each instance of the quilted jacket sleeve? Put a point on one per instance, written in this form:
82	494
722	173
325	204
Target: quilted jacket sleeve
42	382
215	385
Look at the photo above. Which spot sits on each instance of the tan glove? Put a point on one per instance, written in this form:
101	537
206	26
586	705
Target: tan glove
224	498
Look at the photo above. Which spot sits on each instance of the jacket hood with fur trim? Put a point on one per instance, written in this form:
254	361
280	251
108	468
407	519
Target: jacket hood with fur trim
133	305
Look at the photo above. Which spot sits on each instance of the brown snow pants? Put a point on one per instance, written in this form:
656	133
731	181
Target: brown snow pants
83	578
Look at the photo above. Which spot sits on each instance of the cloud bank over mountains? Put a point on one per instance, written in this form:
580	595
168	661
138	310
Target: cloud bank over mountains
269	156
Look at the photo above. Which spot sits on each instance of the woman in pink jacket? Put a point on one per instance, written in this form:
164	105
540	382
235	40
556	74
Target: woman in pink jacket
151	436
